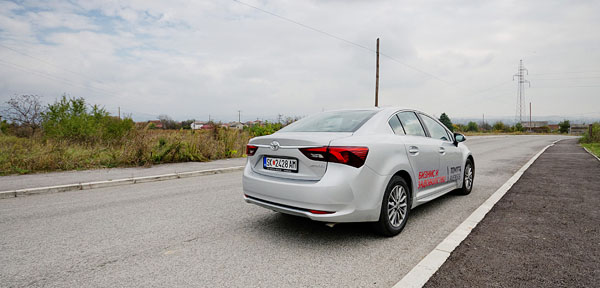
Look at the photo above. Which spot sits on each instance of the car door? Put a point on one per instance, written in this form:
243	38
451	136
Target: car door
450	166
422	152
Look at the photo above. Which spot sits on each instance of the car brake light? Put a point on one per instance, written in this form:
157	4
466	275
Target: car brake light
320	212
251	149
349	155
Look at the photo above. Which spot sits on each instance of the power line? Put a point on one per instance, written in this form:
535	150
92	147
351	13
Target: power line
571	78
485	91
67	82
344	40
566	86
49	63
566	72
56	78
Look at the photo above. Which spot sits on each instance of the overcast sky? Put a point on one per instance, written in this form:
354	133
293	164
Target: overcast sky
189	59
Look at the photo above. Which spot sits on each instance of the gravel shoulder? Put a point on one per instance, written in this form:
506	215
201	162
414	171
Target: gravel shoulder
543	233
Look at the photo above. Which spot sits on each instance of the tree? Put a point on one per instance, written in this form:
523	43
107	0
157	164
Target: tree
187	124
519	127
499	126
168	122
564	126
26	111
70	119
472	127
446	121
459	127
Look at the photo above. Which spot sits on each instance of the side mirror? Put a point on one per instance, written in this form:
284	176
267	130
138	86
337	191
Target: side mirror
459	138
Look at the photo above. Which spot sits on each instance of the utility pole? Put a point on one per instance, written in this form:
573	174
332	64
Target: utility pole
279	118
119	113
377	78
521	90
530	117
208	117
240	116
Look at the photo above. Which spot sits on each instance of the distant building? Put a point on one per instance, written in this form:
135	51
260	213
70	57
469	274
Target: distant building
207	127
578	129
553	127
252	123
236	125
534	124
157	124
197	125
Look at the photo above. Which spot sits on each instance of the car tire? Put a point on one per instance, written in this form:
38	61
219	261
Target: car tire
468	178
396	200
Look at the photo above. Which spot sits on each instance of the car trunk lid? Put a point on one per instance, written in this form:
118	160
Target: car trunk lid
286	145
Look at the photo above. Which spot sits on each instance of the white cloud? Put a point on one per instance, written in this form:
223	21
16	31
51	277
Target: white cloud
189	59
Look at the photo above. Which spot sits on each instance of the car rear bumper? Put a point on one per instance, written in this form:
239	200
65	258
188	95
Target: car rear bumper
353	195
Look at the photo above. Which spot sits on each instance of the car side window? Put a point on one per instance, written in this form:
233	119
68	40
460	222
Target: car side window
411	124
396	125
436	130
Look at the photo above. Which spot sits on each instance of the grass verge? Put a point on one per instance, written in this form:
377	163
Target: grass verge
593	147
137	148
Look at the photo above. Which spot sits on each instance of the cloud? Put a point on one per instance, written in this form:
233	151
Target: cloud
190	59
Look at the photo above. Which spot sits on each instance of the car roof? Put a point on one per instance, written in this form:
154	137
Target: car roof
388	108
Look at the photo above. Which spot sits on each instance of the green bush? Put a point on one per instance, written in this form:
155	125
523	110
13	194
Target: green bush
563	127
594	137
519	127
69	119
265	129
4	127
499	126
472	127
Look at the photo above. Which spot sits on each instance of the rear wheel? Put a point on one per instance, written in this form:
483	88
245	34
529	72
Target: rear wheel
395	208
467	178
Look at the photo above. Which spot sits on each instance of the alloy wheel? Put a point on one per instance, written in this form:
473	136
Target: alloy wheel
397	205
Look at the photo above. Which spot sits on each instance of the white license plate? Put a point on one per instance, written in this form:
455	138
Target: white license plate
280	164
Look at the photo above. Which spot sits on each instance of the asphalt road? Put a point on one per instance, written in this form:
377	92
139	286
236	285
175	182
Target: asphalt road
199	232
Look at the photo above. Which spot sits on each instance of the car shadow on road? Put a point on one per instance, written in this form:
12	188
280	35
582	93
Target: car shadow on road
299	229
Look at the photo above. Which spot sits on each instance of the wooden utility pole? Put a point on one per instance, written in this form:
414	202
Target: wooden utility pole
377	78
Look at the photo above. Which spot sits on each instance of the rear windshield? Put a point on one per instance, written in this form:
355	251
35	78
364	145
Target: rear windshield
335	121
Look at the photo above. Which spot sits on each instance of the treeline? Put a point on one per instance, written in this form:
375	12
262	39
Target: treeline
70	134
498	127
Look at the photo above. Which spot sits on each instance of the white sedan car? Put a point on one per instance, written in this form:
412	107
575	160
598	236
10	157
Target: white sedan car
367	165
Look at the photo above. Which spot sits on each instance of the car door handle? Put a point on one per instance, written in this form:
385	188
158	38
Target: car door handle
413	150
442	150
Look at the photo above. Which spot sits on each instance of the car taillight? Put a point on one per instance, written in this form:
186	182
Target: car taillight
250	150
349	155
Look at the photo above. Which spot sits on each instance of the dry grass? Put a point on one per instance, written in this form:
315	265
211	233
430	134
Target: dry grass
138	148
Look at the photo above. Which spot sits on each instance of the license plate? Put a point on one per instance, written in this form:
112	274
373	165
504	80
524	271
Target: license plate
280	164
